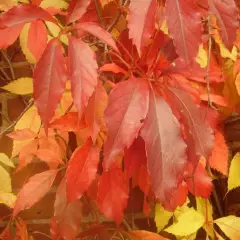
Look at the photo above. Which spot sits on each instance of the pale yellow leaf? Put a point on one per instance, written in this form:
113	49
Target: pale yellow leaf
161	217
205	208
8	199
6	160
58	4
21	86
24	46
202	57
30	120
55	30
188	223
5	181
234	176
230	225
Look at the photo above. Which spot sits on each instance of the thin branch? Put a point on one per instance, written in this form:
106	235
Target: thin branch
9	63
5	75
9	128
15	65
98	12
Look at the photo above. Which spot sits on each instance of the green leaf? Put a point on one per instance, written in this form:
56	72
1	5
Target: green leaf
5	181
6	160
21	86
234	176
161	217
188	223
230	225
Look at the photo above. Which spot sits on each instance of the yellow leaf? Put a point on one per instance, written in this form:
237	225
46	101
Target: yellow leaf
21	86
58	4
55	30
183	209
188	223
161	217
234	176
164	27
24	46
5	181
30	120
237	83
202	57
7	4
230	225
8	199
6	160
205	208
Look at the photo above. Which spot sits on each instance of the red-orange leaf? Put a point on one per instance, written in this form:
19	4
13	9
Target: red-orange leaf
144	235
98	32
113	194
76	9
23	134
128	104
49	81
81	170
112	67
68	216
219	158
161	131
34	190
37	38
95	110
184	24
83	72
228	19
141	21
10	35
24	13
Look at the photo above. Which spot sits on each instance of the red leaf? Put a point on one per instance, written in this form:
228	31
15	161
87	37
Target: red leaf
24	13
26	155
36	2
95	110
35	189
83	72
141	21
219	158
145	235
161	131
49	81
50	157
23	134
10	35
76	9
199	135
113	194
112	67
68	216
81	170
184	24
128	104
135	157
228	19
37	38
219	100
201	184
98	32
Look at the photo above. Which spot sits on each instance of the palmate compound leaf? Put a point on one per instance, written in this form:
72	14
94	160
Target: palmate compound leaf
184	24
161	131
127	107
113	194
81	170
234	177
34	190
24	13
230	225
49	82
83	72
228	19
141	21
67	215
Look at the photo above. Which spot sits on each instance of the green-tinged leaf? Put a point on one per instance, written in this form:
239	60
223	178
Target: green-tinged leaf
5	160
161	217
7	199
230	225
234	176
205	208
187	224
5	181
21	86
